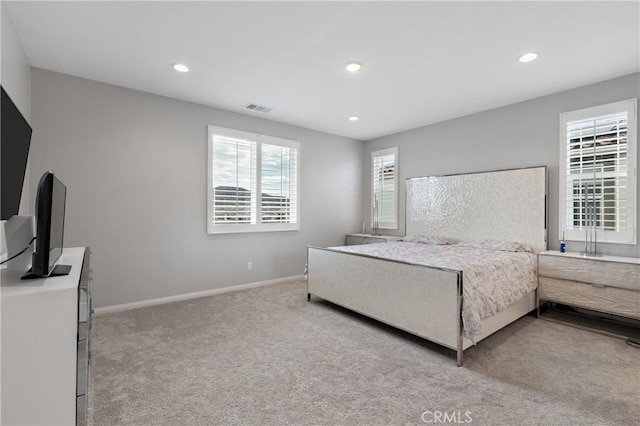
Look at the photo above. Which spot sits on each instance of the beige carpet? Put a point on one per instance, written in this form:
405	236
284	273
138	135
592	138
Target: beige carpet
268	357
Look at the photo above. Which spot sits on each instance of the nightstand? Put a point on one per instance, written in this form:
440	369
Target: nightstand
609	284
357	239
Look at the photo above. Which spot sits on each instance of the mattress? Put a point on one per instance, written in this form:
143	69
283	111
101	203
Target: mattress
493	278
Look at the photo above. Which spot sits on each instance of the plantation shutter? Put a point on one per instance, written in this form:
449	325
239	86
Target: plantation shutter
279	177
384	188
234	180
253	182
598	172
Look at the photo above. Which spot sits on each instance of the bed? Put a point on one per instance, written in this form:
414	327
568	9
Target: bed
413	289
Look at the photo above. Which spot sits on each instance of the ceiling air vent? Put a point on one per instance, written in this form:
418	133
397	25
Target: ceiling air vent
257	107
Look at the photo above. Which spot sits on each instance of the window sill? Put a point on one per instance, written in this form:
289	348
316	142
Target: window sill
247	229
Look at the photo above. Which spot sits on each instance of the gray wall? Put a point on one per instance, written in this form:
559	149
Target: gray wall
519	135
15	76
135	167
15	73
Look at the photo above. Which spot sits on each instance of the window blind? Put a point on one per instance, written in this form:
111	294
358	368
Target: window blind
384	188
598	148
279	184
253	184
597	151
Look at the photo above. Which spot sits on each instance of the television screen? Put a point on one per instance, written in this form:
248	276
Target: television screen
50	208
15	138
58	201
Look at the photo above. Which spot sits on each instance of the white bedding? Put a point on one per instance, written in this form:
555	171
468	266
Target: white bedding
492	279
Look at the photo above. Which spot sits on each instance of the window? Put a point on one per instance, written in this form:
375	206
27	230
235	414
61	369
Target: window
598	172
384	189
253	182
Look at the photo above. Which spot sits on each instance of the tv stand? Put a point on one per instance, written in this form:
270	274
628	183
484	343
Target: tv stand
57	271
46	340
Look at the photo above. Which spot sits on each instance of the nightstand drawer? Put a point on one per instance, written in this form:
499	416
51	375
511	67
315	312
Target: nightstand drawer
599	298
358	239
353	240
591	270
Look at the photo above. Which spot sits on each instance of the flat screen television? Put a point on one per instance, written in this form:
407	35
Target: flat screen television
51	199
15	138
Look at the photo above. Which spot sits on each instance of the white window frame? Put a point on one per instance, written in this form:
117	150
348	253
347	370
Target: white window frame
603	236
392	224
257	225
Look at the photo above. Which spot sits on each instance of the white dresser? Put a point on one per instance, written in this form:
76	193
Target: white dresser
46	344
608	284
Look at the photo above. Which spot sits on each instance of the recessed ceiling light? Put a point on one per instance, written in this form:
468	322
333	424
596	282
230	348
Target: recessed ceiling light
354	118
528	57
354	66
180	67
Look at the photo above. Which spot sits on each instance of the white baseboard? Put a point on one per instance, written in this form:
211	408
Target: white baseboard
195	295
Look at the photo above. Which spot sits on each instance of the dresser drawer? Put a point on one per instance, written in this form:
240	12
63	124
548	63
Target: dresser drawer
611	300
591	270
82	368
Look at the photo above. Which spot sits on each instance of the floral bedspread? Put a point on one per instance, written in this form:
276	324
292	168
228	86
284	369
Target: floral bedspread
492	279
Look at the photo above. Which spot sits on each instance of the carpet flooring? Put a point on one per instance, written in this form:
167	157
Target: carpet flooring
266	356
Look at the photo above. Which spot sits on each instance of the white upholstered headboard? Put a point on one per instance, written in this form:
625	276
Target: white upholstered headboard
508	205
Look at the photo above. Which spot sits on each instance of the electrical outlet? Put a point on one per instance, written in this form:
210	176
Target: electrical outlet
249	266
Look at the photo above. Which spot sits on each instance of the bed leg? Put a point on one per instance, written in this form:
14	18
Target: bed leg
537	304
460	348
308	297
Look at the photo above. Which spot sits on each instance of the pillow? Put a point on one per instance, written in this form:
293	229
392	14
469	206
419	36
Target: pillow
428	240
511	246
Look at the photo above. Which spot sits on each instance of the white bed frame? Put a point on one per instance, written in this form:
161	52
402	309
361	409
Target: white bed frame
507	205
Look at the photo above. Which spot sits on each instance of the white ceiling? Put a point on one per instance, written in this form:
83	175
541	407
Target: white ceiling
424	62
